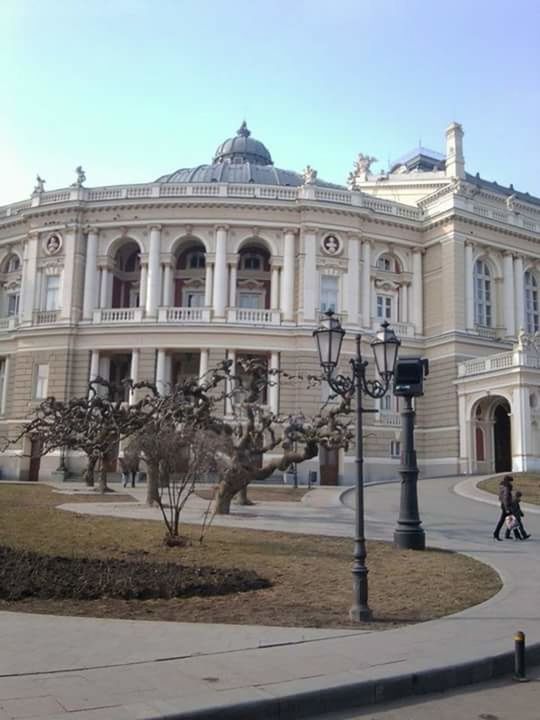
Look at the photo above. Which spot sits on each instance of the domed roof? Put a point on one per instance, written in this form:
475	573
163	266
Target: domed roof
243	148
241	159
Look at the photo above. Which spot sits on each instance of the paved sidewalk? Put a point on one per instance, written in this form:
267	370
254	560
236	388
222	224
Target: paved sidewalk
83	668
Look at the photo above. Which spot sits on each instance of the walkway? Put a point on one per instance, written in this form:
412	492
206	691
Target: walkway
82	668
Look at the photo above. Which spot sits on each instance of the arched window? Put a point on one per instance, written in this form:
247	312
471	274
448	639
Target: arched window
195	260
251	261
531	302
483	311
388	263
13	264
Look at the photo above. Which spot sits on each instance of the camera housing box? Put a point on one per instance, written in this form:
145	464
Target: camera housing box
409	376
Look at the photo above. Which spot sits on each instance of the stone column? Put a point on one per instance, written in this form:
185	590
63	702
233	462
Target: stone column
233	265
90	274
104	290
134	373
469	287
508	294
520	429
311	276
29	277
519	293
68	273
160	371
220	273
274	288
3	399
366	284
94	365
417	292
352	299
208	282
273	389
143	284
203	363
167	285
153	292
404	303
287	285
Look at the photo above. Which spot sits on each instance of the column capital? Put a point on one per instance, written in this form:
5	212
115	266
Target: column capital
92	229
290	231
225	228
470	243
508	253
210	258
105	263
232	258
276	262
154	226
368	241
167	259
418	250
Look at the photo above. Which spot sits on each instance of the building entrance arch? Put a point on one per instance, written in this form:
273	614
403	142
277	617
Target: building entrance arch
491	435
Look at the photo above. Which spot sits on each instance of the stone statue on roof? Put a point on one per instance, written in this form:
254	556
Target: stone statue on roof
361	170
310	175
81	177
39	187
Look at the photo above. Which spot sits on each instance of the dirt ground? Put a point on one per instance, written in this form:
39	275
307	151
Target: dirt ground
310	575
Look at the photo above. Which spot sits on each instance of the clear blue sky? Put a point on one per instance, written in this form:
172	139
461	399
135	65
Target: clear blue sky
132	89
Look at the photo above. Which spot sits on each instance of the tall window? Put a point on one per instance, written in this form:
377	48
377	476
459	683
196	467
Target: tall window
384	307
41	382
13	304
329	293
3	380
388	263
13	264
483	311
531	302
52	292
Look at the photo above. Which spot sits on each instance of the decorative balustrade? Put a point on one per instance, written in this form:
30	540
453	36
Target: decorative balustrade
487	332
45	317
9	323
214	189
184	314
254	317
385	417
118	315
500	361
401	329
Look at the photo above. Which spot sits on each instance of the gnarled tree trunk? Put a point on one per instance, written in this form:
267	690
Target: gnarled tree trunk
89	473
241	498
102	484
152	485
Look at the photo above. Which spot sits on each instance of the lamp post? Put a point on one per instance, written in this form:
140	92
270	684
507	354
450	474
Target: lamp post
329	337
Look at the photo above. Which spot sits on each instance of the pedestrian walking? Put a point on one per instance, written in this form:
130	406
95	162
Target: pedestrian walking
516	524
124	470
505	499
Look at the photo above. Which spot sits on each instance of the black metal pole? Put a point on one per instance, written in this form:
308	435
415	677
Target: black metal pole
409	535
360	611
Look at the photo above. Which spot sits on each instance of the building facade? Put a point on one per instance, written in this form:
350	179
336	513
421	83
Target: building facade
163	280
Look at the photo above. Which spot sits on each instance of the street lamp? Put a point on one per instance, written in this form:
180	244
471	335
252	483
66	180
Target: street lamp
385	346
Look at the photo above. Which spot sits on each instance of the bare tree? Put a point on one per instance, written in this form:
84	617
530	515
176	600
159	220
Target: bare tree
254	432
94	425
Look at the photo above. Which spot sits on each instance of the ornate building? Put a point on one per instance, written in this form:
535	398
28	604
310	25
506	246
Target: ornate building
162	280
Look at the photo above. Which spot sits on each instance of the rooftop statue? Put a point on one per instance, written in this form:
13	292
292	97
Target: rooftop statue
361	169
39	186
310	175
81	177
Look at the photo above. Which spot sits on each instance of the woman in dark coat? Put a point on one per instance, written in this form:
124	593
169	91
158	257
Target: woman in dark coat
506	499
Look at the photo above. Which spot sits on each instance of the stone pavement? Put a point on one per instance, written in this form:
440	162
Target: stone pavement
83	668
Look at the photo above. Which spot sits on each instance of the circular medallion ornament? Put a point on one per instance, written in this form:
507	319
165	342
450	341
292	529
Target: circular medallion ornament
331	245
53	244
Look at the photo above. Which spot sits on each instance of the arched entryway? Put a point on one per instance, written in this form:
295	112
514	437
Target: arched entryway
502	438
491	435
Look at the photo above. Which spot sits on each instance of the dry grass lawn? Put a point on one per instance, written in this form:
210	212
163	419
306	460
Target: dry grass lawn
310	575
261	493
527	483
